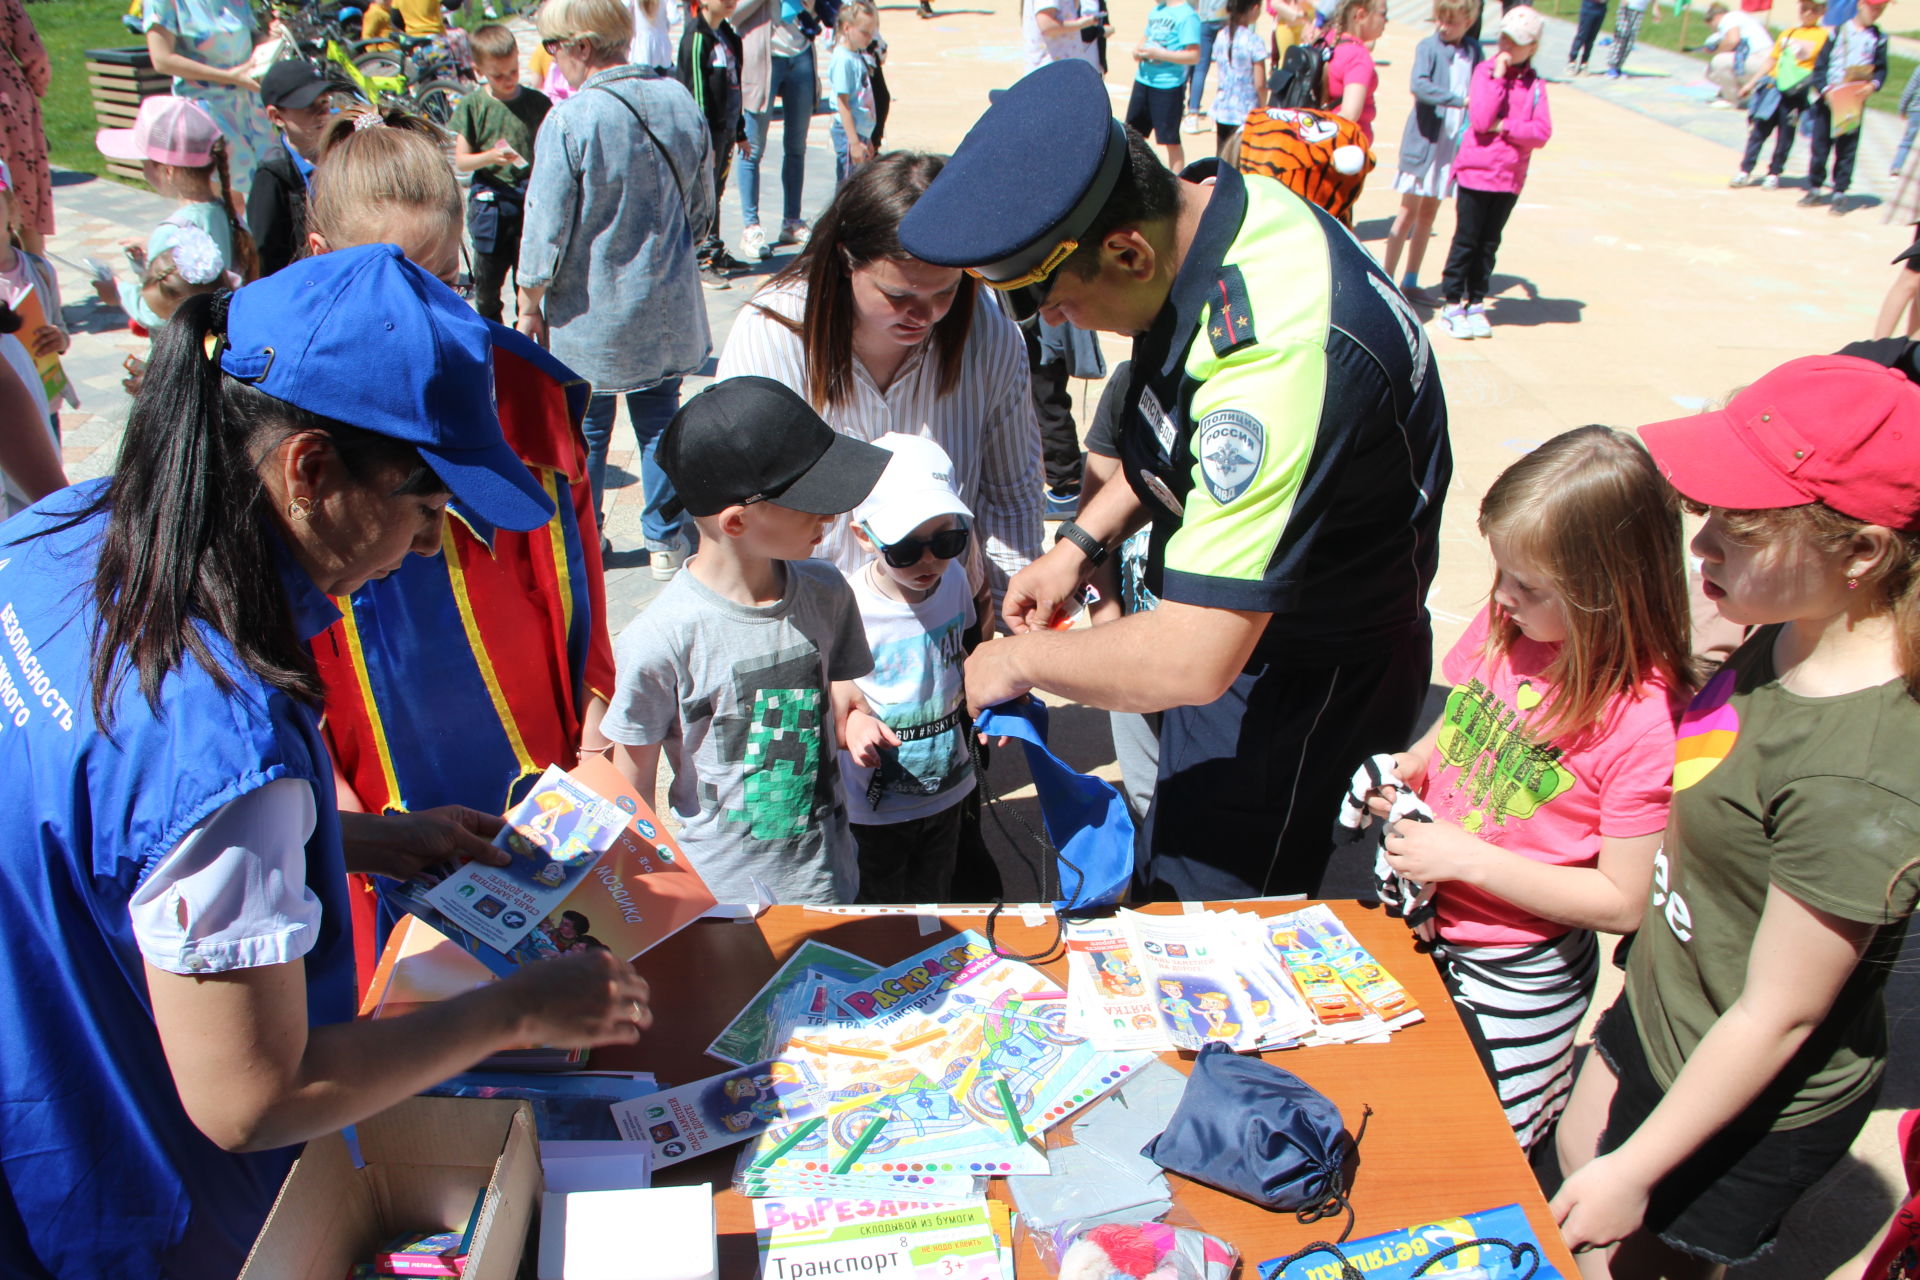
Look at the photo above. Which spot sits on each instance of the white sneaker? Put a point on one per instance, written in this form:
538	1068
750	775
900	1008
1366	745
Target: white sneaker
1477	321
1741	179
1196	122
753	243
1770	183
1455	318
794	233
667	563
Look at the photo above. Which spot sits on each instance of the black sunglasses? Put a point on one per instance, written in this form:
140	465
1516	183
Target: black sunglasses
554	44
906	553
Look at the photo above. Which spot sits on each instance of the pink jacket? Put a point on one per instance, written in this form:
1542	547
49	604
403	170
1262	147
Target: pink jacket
1489	161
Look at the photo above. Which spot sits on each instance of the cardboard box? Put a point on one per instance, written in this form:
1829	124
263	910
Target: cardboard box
425	1162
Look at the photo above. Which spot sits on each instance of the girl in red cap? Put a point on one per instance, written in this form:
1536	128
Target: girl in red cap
1751	1041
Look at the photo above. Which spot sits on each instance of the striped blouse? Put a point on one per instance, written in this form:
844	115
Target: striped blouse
987	425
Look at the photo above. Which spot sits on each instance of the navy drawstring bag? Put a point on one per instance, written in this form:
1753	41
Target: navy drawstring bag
1253	1130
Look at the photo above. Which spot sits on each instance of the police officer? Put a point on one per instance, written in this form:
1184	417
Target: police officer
1286	437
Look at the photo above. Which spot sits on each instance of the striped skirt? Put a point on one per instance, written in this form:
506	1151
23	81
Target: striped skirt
1522	1007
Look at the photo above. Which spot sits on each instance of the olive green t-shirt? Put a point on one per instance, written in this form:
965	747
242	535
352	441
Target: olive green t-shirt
483	120
1820	796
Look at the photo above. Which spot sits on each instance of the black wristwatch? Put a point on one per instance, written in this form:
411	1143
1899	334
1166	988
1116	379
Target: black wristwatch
1090	546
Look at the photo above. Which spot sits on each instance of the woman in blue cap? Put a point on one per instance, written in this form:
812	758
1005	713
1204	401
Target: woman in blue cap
176	980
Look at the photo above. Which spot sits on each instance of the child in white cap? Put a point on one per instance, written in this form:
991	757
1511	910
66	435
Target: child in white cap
904	799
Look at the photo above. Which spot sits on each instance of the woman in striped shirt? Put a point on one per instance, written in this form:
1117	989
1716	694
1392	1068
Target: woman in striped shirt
878	341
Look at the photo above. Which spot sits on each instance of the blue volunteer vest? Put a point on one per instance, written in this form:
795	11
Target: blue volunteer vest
101	1171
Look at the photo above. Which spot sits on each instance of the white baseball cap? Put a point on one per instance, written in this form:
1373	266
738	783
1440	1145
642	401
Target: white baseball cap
916	486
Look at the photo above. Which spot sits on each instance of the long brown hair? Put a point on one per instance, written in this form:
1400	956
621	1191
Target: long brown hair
862	226
1591	511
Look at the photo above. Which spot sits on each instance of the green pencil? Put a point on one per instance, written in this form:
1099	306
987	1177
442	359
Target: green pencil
860	1145
788	1143
1013	1112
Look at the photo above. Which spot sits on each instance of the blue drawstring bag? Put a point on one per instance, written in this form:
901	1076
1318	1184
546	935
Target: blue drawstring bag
1086	819
1253	1130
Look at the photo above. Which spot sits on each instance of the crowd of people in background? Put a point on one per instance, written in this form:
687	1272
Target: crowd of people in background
856	505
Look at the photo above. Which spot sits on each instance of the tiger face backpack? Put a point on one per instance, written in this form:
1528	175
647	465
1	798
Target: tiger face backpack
1317	155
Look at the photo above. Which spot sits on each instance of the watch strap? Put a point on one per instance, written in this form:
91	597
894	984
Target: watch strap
1090	546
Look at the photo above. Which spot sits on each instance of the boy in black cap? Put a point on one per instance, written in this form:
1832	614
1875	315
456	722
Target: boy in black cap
296	98
743	667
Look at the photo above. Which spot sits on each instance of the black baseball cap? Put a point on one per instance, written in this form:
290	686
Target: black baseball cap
751	439
293	85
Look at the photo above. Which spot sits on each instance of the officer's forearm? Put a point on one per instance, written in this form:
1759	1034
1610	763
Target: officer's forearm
1111	514
1177	655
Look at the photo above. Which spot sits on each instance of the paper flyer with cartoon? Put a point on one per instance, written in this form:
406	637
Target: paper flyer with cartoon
557	835
1341	982
1192	981
681	1123
1110	1003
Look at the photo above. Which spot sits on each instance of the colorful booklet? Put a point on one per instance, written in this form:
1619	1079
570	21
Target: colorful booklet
33	317
1412	1251
556	836
641	891
693	1119
942	1242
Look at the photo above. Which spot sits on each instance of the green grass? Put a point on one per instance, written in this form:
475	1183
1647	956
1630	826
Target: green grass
1668	31
67	27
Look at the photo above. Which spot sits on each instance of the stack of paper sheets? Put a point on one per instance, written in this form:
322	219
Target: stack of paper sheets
1179	982
911	1081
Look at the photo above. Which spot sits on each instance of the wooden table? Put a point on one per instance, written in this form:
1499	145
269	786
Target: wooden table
1436	1146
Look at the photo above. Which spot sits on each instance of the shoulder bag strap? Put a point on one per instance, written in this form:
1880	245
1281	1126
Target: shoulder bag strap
679	186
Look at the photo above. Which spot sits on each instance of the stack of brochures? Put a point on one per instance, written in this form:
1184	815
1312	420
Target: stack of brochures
1163	983
885	1239
914	1081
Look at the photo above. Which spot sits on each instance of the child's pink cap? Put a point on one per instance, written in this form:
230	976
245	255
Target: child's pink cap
168	130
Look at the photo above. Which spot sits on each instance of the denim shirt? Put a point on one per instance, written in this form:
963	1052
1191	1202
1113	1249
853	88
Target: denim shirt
606	229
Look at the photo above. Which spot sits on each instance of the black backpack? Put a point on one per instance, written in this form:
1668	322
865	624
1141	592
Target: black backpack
1299	77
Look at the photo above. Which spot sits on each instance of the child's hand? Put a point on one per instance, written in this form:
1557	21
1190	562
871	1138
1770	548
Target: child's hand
1501	64
136	252
1410	769
866	734
1431	852
136	374
859	151
1145	52
49	340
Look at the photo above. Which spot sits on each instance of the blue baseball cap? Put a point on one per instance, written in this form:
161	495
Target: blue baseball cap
1024	184
367	338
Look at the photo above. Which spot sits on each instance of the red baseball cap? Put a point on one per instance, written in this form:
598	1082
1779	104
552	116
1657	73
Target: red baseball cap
1832	429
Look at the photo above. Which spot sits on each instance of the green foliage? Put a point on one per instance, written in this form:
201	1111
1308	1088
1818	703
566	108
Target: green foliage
67	28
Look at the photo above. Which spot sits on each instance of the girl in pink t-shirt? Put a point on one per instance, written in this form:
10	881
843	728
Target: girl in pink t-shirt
1352	76
1549	773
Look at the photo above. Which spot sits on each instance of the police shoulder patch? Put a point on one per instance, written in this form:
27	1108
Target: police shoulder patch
1230	318
1229	445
